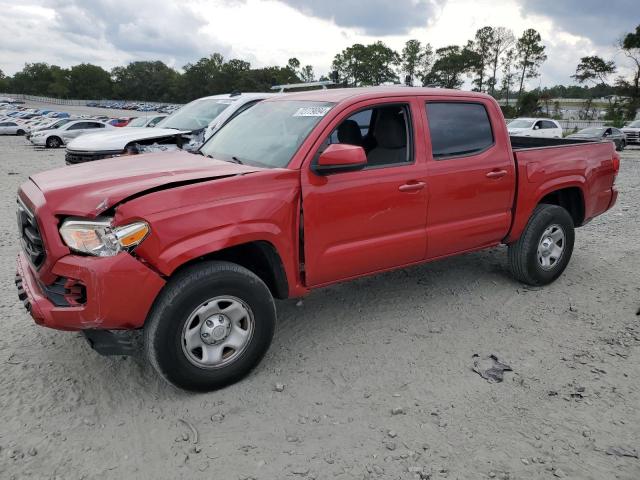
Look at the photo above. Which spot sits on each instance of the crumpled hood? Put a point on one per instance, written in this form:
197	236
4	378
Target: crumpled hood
118	138
89	189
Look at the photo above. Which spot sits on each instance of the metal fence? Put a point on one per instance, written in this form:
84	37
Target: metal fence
64	101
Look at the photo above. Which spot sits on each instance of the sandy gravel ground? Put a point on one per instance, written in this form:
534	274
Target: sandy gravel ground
376	375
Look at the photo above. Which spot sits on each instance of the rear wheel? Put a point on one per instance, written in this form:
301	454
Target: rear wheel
621	146
20	132
53	142
210	326
544	249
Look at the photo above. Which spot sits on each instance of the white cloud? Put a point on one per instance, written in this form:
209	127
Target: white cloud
264	32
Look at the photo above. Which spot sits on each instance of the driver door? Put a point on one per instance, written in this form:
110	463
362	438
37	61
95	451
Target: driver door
373	219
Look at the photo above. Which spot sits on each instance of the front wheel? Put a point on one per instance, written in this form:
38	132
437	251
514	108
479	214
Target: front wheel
544	249
53	142
212	324
621	147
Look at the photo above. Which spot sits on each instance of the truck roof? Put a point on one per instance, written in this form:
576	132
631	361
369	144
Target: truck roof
362	93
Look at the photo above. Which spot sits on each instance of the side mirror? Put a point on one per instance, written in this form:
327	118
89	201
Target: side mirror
536	127
340	157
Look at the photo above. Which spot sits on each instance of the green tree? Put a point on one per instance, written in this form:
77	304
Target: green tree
529	104
367	65
416	60
412	55
306	74
4	83
42	79
530	55
450	65
630	46
481	47
199	79
594	69
508	75
88	81
151	81
503	40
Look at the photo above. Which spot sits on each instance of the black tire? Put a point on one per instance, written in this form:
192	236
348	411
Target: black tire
622	145
183	294
20	132
523	254
53	142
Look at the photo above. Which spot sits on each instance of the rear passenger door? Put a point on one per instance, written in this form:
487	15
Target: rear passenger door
470	175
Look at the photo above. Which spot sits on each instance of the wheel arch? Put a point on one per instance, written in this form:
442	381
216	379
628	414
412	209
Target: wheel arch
571	199
260	257
567	193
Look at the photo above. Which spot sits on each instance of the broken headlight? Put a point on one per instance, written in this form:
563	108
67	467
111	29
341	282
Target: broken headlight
100	238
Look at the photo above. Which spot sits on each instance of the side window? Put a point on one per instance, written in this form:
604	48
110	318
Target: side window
153	122
548	124
5	124
77	126
94	125
458	129
384	132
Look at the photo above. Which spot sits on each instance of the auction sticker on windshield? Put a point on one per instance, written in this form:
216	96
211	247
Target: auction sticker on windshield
311	111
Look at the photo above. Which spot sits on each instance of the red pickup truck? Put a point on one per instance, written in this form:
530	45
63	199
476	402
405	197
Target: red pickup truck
296	193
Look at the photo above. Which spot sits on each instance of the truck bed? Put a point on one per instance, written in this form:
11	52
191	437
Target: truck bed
526	143
549	164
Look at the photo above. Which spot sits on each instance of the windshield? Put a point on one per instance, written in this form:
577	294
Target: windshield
59	123
520	124
635	124
267	134
137	122
195	115
591	131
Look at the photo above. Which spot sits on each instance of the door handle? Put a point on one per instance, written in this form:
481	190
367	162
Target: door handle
411	187
496	174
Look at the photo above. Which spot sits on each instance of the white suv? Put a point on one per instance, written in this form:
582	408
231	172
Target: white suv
534	127
186	128
632	131
55	137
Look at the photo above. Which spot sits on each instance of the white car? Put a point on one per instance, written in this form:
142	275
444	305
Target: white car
11	128
186	128
534	127
48	124
56	137
632	132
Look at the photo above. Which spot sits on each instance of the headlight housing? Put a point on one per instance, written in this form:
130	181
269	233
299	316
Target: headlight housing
99	238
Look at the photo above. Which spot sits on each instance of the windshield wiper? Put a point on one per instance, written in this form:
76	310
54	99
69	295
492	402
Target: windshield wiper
230	160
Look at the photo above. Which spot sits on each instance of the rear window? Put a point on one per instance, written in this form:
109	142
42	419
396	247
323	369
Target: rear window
458	129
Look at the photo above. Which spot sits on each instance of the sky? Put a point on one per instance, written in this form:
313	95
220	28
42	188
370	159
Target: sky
269	32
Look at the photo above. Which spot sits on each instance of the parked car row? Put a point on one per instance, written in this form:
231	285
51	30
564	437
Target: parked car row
549	128
141	107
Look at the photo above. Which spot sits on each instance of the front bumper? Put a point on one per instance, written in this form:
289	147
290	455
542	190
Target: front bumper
38	141
119	292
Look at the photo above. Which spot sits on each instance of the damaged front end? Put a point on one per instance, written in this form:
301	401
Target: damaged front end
189	142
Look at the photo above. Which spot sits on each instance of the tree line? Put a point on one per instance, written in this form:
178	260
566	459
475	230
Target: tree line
495	61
